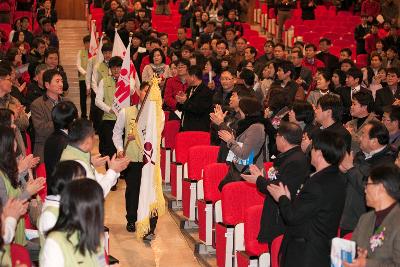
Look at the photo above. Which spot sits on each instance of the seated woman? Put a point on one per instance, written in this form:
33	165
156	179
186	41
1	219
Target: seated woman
377	233
77	237
64	172
302	113
248	146
323	87
9	184
157	66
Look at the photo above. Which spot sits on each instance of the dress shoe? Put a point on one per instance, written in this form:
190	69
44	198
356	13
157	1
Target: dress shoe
130	227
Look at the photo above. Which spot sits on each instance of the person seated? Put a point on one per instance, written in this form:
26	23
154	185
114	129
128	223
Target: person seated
247	144
330	61
77	238
48	12
376	233
310	61
391	119
35	56
388	94
52	60
374	151
323	87
233	22
291	167
46	31
157	66
63	173
302	114
313	216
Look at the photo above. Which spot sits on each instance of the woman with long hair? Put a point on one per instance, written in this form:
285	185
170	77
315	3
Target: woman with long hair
76	239
9	183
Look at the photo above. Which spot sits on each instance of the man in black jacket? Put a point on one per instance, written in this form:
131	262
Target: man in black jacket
388	94
196	103
328	113
313	217
374	140
360	32
331	62
291	167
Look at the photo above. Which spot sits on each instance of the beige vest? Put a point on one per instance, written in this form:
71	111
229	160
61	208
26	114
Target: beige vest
84	55
109	88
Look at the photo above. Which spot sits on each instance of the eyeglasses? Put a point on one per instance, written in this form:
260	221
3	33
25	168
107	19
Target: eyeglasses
366	184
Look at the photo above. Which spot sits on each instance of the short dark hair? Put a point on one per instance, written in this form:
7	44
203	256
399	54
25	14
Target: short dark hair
281	46
331	145
51	50
5	69
247	76
378	131
393	71
342	76
311	46
287	66
5	116
299	53
355	73
86	39
250	106
64	172
221	41
388	174
230	70
48	75
394	113
291	132
107	47
37	41
115	61
347	50
365	99
196	71
63	114
79	130
326	40
303	111
151	56
253	50
188	48
333	103
183	61
347	61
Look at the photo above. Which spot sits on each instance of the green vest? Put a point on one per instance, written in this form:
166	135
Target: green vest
133	151
73	153
15	193
72	256
55	211
102	71
84	55
5	256
109	92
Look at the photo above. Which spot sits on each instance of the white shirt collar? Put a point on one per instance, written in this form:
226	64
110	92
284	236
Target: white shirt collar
372	153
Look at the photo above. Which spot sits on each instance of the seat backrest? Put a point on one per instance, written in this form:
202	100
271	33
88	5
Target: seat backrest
236	197
251	229
348	236
171	129
185	140
275	247
212	176
21	254
198	158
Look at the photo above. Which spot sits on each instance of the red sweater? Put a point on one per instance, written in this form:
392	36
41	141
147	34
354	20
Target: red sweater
313	67
172	88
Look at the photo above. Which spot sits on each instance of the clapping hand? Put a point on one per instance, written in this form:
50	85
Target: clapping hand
27	162
255	172
14	208
99	161
218	116
279	190
118	164
181	97
35	185
226	136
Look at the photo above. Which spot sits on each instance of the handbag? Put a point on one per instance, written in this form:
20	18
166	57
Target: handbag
34	210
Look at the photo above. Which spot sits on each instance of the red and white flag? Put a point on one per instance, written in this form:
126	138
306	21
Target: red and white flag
128	79
93	47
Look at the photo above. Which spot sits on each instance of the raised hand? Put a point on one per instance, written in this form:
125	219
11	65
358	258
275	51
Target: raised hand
35	185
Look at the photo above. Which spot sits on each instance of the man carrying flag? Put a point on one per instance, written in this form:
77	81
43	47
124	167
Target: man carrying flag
143	124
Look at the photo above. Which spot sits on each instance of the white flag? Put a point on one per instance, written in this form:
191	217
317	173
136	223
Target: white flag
93	41
119	48
123	87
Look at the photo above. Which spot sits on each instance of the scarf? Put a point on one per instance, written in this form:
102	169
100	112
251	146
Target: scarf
158	69
245	123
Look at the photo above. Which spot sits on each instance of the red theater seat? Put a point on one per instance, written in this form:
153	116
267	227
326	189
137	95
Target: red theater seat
275	247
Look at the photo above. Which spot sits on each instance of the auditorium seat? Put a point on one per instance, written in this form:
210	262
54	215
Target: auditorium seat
171	129
212	176
183	141
41	172
362	60
19	254
198	158
275	247
236	197
256	253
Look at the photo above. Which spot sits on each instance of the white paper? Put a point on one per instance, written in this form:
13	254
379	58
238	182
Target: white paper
342	249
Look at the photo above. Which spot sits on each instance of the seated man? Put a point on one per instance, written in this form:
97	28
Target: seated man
391	119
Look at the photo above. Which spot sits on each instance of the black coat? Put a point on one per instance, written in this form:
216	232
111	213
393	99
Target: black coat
338	128
359	33
53	148
312	219
385	97
331	62
307	12
356	176
345	96
292	170
196	109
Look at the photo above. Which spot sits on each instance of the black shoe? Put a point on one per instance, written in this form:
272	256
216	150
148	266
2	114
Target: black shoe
114	188
130	227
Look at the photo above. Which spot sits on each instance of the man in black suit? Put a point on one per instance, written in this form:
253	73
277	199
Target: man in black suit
209	32
360	32
313	217
328	113
196	103
291	167
303	76
354	78
374	140
388	94
331	62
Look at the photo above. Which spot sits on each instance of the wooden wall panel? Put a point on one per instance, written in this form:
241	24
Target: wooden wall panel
70	9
